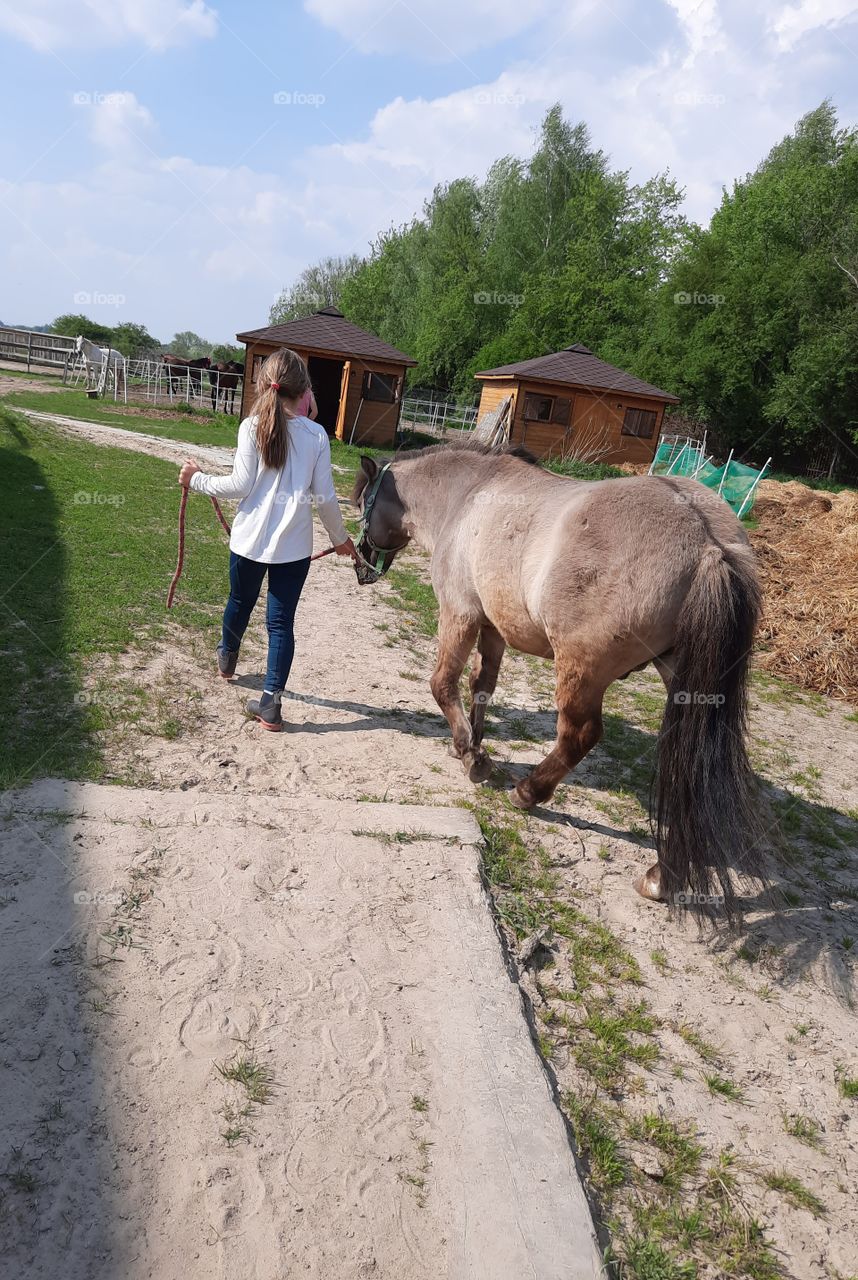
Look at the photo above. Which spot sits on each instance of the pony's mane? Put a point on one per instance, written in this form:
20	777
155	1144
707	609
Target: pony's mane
470	446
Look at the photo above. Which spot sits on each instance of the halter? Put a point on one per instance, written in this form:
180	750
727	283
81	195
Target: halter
384	555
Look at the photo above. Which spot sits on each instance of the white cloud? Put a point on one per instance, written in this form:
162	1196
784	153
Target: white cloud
700	21
797	20
437	29
158	24
117	120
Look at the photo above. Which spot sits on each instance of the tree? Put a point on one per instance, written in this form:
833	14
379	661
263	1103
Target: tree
318	286
757	323
134	340
74	326
189	345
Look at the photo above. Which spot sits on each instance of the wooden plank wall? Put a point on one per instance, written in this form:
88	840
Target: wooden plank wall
594	416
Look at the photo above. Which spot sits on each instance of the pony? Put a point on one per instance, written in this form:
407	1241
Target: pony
603	577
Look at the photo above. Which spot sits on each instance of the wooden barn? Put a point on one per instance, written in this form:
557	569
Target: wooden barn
357	378
572	400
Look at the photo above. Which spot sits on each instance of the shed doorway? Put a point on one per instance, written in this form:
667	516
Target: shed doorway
327	379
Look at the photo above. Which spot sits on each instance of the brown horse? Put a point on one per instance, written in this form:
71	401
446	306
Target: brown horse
603	577
185	373
224	378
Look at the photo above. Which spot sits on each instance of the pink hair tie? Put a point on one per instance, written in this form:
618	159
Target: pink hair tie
275	385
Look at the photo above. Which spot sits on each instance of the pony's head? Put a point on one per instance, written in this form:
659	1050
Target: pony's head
383	532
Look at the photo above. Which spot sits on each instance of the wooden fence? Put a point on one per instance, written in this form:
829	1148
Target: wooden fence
26	346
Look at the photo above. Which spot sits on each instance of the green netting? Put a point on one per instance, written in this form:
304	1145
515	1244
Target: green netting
734	480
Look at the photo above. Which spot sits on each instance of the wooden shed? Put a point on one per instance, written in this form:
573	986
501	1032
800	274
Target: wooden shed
572	400
357	378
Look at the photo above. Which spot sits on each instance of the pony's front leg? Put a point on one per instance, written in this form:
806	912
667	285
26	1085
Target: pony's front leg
579	728
456	638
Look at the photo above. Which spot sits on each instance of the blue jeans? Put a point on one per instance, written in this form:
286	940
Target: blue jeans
285	583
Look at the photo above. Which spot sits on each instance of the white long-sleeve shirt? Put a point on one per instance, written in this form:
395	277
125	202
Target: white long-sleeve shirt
274	521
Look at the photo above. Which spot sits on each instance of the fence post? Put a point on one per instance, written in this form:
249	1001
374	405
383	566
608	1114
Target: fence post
29	349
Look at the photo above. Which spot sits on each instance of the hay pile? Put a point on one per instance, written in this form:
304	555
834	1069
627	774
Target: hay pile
807	545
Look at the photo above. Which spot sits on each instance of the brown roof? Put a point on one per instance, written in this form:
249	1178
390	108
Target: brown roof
328	330
577	366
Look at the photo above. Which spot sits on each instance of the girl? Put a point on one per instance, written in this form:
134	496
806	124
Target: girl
282	464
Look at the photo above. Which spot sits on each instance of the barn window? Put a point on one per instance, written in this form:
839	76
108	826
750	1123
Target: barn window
639	422
538	408
382	387
554	409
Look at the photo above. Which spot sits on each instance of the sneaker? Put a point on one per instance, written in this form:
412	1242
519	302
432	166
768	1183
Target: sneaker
266	710
226	661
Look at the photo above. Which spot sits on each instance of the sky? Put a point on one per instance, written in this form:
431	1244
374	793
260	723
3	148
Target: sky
177	163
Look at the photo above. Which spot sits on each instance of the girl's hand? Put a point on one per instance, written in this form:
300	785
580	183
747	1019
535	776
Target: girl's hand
347	548
189	469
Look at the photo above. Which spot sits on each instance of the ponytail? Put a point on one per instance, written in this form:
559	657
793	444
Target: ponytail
283	377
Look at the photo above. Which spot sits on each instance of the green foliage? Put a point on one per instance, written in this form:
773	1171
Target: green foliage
318	286
72	326
542	254
757	326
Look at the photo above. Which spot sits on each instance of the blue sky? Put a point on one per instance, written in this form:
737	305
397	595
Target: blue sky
177	163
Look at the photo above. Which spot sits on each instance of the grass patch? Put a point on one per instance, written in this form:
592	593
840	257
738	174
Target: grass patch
246	1071
805	1128
721	1087
795	1192
87	549
196	425
413	593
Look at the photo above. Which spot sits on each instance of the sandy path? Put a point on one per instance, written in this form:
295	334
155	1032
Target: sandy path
409	1132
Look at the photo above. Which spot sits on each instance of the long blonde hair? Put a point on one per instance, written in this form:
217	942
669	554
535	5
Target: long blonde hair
283	376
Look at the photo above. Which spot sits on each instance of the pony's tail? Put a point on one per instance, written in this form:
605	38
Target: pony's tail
705	815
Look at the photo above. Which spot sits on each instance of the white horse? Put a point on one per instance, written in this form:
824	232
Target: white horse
103	365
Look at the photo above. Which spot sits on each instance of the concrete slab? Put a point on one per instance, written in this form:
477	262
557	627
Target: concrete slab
349	950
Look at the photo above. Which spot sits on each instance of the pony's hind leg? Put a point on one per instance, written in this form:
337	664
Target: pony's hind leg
484	677
579	728
456	638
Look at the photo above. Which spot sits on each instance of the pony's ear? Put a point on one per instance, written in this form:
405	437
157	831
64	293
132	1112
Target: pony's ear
369	467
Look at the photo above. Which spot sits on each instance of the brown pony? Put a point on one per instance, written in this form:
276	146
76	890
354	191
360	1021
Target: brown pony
603	577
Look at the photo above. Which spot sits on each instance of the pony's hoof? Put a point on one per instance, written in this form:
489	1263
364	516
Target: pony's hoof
520	801
649	885
478	768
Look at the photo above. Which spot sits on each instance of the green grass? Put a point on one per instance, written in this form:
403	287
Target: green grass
795	1192
193	424
848	1086
805	1128
248	1073
87	550
583	470
412	593
721	1087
